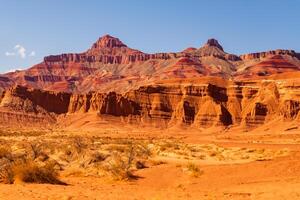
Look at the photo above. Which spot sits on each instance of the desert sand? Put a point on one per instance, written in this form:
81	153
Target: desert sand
229	165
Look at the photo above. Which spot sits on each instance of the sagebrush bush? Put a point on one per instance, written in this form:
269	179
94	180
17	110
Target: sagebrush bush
29	172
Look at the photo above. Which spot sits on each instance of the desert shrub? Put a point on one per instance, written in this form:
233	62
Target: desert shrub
36	150
120	168
193	170
96	157
93	159
73	149
143	151
29	172
79	144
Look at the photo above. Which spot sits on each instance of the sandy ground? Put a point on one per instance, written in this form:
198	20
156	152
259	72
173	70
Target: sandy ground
278	178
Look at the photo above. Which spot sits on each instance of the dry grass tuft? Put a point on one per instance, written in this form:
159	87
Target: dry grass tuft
29	172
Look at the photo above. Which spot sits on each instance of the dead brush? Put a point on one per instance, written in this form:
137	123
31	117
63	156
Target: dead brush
193	170
93	159
29	172
143	151
37	151
79	144
73	149
96	157
120	168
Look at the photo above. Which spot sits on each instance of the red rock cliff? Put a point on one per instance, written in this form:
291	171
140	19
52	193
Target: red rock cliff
202	105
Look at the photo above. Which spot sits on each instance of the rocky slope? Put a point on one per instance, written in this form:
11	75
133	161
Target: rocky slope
199	87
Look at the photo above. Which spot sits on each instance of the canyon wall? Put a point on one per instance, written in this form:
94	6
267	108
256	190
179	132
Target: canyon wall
248	104
251	56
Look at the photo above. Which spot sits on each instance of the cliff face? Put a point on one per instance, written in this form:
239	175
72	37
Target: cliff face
20	106
248	104
251	56
199	87
14	98
109	65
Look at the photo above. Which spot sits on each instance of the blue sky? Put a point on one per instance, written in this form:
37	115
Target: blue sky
32	29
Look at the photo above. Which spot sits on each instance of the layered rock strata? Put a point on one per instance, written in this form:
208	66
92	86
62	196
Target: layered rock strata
201	105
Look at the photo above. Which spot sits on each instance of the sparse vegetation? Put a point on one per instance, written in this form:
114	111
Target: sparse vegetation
40	159
120	168
79	144
193	170
29	172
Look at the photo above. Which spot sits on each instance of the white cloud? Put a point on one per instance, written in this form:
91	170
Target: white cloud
9	53
32	54
21	51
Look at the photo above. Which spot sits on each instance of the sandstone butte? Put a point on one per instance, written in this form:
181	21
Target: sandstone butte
198	87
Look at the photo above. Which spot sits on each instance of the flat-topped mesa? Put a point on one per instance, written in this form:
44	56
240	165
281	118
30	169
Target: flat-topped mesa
111	50
258	55
107	50
213	43
108	41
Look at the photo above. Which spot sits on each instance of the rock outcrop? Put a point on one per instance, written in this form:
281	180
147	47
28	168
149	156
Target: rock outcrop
213	43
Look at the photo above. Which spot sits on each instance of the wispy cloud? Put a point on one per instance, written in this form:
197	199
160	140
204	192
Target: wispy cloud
9	53
20	51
